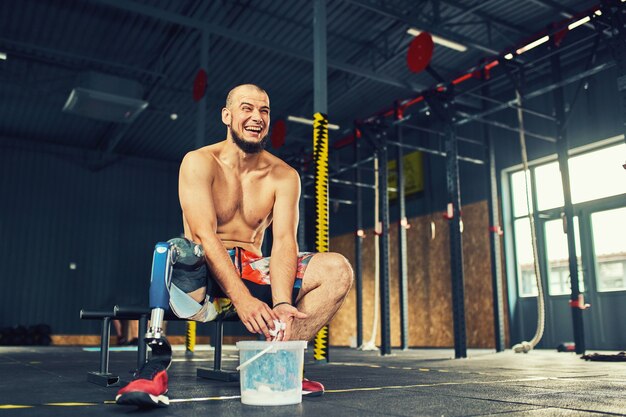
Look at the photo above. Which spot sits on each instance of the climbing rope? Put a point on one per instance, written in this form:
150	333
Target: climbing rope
371	343
525	347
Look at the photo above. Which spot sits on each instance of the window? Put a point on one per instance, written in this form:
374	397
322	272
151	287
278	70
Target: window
598	174
557	255
609	245
518	187
549	186
594	175
524	256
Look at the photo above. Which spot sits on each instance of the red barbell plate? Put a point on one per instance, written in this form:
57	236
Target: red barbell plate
199	85
279	131
420	52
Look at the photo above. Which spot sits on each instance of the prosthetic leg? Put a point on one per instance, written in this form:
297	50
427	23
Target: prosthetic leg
166	254
149	386
163	260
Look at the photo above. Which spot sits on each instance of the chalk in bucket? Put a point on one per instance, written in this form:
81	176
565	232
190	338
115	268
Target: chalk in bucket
270	373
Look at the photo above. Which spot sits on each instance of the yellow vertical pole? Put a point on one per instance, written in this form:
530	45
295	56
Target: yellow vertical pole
190	338
320	155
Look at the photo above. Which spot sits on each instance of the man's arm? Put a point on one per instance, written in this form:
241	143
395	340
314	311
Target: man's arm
283	262
195	180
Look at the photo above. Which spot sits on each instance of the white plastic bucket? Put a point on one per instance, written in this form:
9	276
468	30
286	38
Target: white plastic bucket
270	373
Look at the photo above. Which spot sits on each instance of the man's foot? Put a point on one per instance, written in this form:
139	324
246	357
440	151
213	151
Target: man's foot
147	389
312	388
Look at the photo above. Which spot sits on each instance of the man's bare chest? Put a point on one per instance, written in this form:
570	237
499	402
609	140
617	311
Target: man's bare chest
247	201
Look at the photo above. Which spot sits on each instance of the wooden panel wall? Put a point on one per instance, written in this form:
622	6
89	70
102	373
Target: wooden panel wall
430	299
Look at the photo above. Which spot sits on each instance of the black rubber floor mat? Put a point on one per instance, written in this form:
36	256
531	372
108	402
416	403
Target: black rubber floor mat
618	357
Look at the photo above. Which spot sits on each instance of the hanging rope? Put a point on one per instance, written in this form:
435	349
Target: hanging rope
371	344
526	347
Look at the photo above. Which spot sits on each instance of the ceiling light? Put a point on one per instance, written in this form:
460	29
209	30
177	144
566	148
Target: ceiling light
173	116
508	56
441	41
577	23
598	12
309	122
3	56
532	45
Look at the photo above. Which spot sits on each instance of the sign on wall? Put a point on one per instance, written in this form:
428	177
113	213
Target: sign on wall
413	174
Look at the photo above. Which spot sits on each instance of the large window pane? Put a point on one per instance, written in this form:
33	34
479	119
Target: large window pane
524	254
518	189
598	174
549	186
558	258
609	244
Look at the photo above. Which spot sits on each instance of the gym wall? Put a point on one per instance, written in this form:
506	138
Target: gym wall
56	211
430	297
595	116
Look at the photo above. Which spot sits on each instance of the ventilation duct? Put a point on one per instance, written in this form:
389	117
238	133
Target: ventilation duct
105	97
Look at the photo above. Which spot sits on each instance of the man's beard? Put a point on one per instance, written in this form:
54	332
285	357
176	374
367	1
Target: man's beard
248	146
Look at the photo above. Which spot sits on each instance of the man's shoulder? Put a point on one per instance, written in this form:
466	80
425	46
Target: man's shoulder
206	153
280	167
201	158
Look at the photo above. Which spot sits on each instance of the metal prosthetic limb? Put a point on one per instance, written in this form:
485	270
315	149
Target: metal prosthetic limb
162	262
166	254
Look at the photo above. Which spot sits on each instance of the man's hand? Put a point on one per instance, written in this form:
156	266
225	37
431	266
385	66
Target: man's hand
257	316
287	313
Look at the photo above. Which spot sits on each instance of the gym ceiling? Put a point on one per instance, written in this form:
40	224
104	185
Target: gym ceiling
52	47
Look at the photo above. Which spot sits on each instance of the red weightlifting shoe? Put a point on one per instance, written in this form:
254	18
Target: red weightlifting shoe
147	389
312	388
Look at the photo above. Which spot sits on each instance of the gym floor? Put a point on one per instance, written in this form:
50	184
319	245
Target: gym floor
51	381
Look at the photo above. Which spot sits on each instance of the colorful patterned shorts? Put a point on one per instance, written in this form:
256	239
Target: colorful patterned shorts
253	269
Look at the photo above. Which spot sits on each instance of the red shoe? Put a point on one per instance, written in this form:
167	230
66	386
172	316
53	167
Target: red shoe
312	388
148	389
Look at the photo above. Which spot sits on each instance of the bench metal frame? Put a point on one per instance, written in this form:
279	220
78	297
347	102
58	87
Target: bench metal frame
104	378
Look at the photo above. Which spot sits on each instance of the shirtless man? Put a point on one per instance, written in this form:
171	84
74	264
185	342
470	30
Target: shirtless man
230	192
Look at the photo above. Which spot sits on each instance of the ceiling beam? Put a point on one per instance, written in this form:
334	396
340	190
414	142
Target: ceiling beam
421	24
562	10
550	4
284	17
305	101
63	58
503	24
156	13
465	12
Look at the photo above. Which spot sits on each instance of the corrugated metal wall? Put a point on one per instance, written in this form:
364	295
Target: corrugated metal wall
55	211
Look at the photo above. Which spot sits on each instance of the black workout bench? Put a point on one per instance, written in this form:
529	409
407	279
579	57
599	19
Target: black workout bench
106	379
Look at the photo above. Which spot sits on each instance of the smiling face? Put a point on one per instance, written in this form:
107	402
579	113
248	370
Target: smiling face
247	116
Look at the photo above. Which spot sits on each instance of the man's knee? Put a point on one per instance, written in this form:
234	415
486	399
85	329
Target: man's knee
338	270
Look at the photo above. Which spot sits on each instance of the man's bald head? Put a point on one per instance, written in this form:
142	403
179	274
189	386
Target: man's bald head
232	94
247	117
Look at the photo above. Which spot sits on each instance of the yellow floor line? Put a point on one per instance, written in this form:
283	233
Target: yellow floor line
434	385
365	365
12	406
330	391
